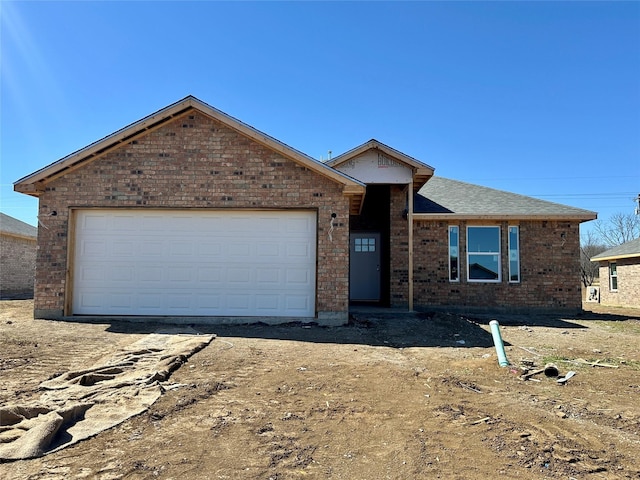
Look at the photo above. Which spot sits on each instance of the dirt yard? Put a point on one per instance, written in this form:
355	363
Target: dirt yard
391	396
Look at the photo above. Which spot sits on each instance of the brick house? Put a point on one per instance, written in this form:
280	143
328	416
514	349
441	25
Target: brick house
620	266
192	213
18	244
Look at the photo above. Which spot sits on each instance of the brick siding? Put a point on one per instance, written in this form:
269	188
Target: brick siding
194	162
399	246
17	266
628	293
549	268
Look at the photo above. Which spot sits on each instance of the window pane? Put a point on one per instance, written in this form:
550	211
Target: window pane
453	236
484	267
483	239
514	255
483	254
613	276
453	254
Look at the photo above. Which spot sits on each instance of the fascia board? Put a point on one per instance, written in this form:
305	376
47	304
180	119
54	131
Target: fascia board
459	216
614	257
374	144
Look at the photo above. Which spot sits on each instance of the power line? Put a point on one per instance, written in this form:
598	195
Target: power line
619	195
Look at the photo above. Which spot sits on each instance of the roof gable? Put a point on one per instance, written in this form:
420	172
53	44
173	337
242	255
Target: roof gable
448	198
387	157
626	250
34	184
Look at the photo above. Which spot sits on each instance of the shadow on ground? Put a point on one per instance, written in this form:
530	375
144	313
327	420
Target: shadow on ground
385	328
396	330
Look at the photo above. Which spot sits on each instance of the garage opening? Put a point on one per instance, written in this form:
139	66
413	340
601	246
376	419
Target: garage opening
241	263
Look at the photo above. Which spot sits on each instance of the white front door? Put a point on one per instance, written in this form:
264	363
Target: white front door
195	262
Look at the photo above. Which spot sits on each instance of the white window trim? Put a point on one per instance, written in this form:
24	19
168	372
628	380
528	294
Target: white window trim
451	227
517	251
611	277
499	254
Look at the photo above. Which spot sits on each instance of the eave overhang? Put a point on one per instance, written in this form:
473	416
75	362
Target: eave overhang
615	257
17	235
500	217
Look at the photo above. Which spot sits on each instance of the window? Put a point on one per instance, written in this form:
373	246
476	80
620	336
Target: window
454	242
514	254
483	254
613	277
365	244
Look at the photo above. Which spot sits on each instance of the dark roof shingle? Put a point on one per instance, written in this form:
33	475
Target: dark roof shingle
445	196
627	249
13	226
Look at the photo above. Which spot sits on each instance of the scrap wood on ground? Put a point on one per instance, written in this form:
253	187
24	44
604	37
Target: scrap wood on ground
79	404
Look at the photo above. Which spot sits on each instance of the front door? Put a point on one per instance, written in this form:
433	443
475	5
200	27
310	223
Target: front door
364	267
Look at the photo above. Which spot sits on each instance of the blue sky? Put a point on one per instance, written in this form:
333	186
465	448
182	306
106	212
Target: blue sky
537	98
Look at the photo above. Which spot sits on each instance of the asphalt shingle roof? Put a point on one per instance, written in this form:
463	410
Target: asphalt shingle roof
627	249
446	196
13	226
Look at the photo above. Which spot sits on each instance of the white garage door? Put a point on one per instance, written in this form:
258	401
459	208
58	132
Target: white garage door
195	263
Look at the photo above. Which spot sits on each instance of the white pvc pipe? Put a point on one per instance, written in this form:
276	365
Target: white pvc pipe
497	341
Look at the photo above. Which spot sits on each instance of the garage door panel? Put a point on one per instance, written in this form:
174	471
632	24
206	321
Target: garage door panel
124	248
121	224
210	276
298	276
209	249
121	273
267	251
94	222
181	249
179	274
149	273
150	302
179	302
297	302
268	276
90	300
297	250
239	275
238	263
208	303
93	248
150	248
91	274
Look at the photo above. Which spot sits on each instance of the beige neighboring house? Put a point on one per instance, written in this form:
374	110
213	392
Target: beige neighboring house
18	245
620	275
190	212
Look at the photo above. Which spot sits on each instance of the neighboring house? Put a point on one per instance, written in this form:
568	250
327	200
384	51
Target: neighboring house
620	275
18	244
190	212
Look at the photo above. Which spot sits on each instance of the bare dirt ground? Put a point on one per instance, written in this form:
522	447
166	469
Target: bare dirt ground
391	396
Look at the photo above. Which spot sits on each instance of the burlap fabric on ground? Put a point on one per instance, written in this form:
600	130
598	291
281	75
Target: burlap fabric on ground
80	404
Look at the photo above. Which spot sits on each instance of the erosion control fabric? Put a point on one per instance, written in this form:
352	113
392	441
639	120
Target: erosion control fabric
79	404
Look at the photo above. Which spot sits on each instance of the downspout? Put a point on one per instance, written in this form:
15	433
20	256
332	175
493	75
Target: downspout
410	225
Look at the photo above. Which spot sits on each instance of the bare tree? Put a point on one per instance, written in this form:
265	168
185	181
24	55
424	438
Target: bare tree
590	246
620	228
